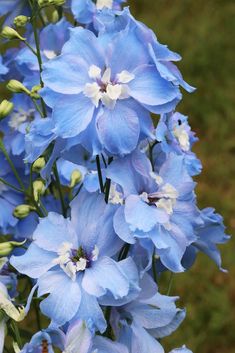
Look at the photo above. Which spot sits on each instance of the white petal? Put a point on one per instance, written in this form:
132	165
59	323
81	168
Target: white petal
106	76
100	4
125	77
114	92
94	72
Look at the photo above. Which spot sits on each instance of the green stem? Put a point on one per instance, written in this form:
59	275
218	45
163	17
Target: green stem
38	108
57	179
38	53
4	151
10	185
170	284
99	173
17	333
30	47
154	267
124	252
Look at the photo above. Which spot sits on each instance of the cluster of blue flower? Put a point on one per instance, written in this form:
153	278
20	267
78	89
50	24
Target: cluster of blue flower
97	196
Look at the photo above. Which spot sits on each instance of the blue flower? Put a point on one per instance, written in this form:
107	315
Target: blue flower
72	262
104	94
160	206
78	335
85	11
45	340
149	317
175	135
52	39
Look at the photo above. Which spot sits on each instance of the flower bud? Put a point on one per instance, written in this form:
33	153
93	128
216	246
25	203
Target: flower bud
7	247
17	87
34	92
22	211
76	178
38	189
5	108
44	3
20	21
39	164
55	16
10	33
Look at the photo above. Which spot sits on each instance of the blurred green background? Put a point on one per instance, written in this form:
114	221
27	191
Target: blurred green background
202	31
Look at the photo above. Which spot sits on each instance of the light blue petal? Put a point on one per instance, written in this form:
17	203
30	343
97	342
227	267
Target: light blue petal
105	275
139	215
72	115
78	338
119	129
105	345
35	262
64	299
150	88
53	231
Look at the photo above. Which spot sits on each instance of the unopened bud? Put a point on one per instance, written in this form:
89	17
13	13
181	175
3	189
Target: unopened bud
20	21
39	164
5	108
7	247
76	178
34	92
38	189
23	211
44	3
55	16
10	33
17	87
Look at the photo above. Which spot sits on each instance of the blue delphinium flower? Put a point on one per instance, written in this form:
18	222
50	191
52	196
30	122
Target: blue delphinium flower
75	266
85	11
175	135
44	341
210	233
160	207
106	94
52	38
149	317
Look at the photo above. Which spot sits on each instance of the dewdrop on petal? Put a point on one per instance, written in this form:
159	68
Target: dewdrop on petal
5	108
10	33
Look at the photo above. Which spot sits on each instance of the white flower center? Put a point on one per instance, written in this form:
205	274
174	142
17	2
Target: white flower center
49	54
164	198
115	197
183	137
72	261
18	118
106	90
100	4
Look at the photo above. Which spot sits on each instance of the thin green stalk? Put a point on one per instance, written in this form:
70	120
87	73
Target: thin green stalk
30	47
170	284
57	180
38	53
124	252
99	173
10	185
17	333
38	108
36	308
76	194
4	151
154	267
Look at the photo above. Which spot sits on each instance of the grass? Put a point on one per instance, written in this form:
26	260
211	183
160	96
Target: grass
201	31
